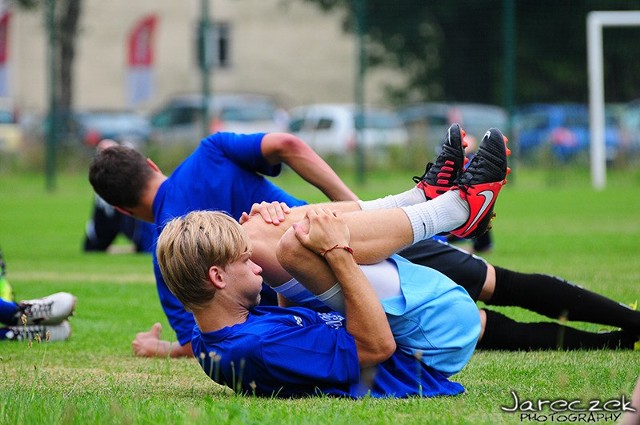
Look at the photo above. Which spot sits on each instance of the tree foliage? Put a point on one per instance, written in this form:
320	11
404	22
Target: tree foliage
454	50
66	16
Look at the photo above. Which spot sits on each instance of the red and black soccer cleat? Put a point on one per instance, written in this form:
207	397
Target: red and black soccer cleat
441	176
481	182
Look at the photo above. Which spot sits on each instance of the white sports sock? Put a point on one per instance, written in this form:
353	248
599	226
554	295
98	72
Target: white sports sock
442	214
410	197
333	298
294	291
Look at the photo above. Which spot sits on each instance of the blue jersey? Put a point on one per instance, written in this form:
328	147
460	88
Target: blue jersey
225	173
294	352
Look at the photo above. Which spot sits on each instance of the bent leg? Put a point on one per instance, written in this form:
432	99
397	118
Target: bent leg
440	326
555	297
503	333
375	235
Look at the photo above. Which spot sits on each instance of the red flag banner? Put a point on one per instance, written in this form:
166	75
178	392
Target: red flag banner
141	42
140	61
4	37
5	17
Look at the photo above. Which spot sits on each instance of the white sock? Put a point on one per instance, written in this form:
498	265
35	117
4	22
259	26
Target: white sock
333	298
295	291
410	197
442	214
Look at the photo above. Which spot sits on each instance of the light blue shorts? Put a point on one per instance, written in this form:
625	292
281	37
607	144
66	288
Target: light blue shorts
434	319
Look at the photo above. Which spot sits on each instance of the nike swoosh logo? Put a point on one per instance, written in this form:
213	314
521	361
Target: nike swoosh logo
488	197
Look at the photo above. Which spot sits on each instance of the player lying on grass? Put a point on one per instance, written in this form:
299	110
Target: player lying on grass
226	173
543	294
296	351
43	319
416	328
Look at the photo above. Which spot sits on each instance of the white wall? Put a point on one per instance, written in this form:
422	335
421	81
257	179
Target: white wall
282	47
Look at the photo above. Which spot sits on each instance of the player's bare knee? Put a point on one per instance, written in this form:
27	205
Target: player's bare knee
489	285
483	322
287	249
253	229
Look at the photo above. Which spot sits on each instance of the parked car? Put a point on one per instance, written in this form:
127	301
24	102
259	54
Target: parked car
179	121
10	132
429	121
630	123
330	128
562	127
122	126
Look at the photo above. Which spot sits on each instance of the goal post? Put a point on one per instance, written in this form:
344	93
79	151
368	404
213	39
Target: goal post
596	21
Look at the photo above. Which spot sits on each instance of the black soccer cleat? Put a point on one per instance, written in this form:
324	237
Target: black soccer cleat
481	182
438	178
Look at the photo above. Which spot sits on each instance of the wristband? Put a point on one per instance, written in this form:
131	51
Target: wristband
337	246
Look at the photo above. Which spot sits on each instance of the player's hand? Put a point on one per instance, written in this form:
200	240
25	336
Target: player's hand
271	212
322	229
149	344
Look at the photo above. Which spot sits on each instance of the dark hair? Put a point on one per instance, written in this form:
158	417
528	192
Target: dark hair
119	175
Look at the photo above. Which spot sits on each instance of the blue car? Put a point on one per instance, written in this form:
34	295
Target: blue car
562	127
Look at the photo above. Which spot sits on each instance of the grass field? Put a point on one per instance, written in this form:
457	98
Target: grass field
549	221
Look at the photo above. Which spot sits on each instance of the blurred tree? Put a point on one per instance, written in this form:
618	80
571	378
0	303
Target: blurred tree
66	18
453	50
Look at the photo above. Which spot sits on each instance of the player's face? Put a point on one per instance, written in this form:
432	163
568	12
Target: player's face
245	276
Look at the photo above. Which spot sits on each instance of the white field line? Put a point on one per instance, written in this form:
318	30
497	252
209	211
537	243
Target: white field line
44	276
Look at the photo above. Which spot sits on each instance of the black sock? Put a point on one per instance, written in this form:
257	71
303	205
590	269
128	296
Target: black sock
555	298
503	333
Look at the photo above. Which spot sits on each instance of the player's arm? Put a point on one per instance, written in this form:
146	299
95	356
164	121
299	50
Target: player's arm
293	151
366	319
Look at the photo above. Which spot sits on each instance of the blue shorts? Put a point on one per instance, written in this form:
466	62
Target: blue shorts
434	319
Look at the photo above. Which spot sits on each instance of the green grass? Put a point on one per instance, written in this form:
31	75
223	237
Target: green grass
548	221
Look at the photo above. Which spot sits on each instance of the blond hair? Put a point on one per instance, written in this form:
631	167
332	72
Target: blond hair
188	246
